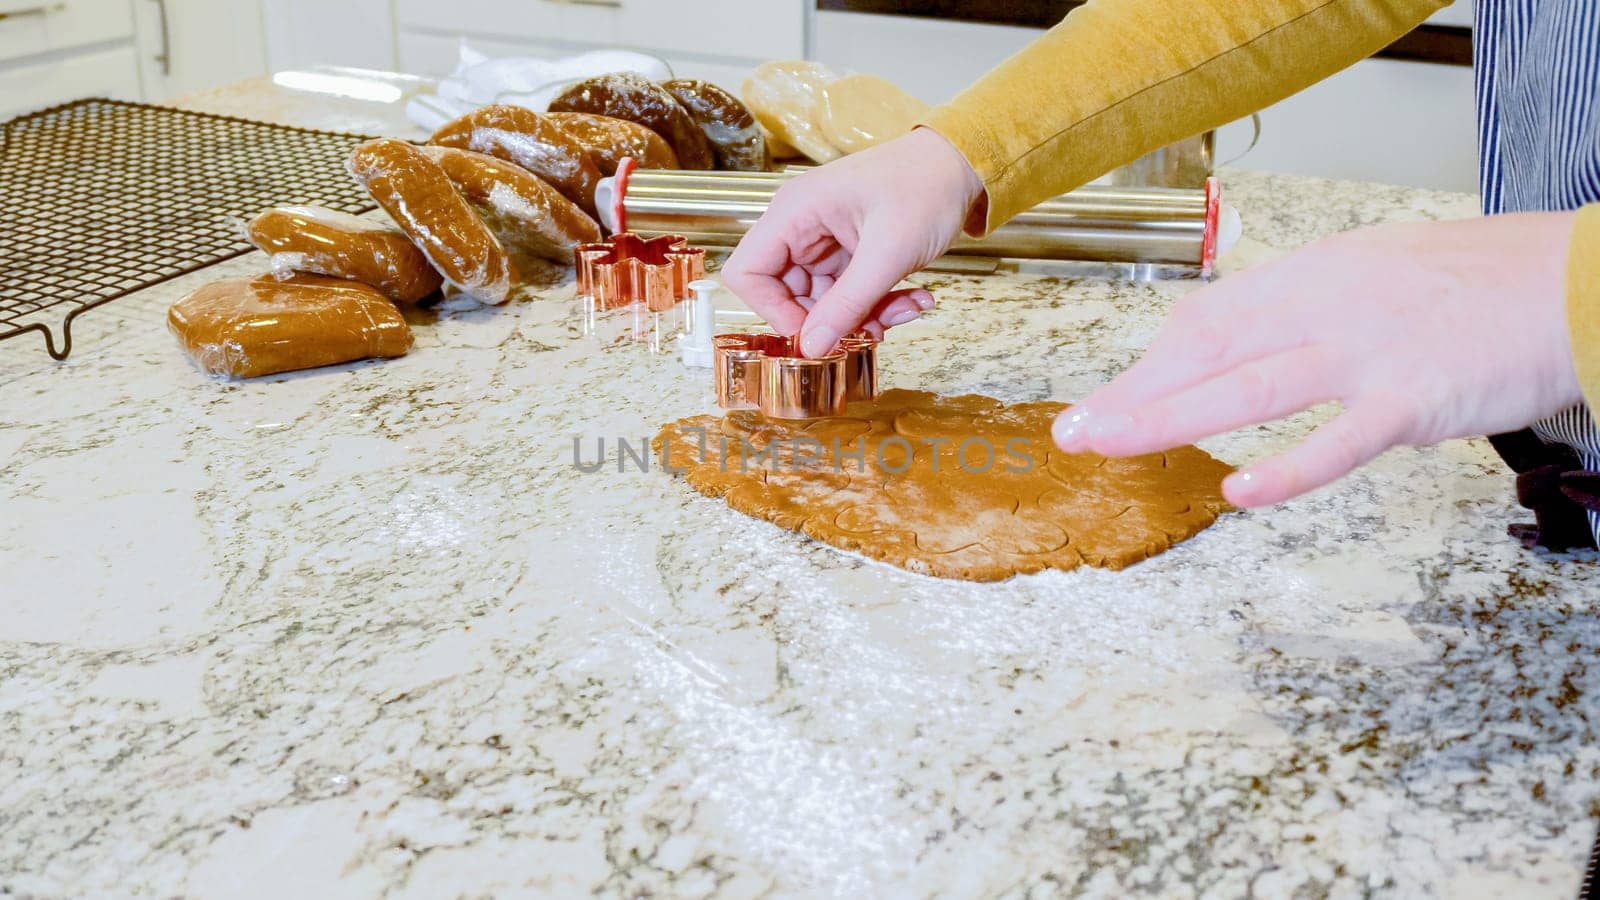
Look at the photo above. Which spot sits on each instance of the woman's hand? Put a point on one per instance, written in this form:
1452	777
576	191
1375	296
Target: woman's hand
824	259
1422	331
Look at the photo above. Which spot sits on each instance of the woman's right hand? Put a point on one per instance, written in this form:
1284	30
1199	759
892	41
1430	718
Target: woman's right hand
824	259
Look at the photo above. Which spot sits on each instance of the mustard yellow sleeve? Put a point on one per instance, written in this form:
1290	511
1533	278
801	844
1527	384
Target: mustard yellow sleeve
1119	78
1583	301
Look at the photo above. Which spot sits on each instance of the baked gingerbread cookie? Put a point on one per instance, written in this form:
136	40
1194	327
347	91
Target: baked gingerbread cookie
628	95
962	487
732	130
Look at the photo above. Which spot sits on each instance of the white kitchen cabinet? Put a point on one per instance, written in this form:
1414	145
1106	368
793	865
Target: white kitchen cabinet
52	51
191	45
31	86
745	29
305	33
543	21
36	27
718	40
428	54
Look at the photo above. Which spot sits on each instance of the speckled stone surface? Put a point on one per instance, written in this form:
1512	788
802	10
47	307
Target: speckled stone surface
367	631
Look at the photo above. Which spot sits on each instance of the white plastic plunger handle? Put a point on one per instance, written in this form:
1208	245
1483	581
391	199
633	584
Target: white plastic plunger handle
606	202
1229	228
696	345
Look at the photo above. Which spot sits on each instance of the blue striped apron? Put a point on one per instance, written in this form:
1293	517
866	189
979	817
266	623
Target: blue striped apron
1537	70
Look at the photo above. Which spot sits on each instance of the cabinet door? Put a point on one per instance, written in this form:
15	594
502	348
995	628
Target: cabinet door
191	45
422	53
506	17
743	29
305	33
105	73
31	27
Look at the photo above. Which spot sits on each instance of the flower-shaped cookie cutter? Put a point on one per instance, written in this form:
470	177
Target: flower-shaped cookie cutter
766	372
628	269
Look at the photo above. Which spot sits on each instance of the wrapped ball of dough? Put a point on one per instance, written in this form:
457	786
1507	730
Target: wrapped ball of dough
608	140
861	111
785	96
247	327
626	95
524	212
339	245
730	128
532	141
421	199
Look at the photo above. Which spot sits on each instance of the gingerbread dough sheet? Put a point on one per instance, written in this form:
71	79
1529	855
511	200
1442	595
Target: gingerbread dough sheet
955	487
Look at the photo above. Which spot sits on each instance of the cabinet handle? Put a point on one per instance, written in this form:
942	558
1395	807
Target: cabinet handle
40	10
608	4
165	56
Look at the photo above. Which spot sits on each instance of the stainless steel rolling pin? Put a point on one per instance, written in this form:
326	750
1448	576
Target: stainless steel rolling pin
1170	226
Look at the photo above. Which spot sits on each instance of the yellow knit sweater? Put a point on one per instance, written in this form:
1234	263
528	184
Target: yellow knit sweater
1119	78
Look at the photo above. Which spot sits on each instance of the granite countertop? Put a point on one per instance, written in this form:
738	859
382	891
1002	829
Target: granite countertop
366	630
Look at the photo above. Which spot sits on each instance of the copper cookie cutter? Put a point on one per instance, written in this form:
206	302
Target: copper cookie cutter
766	372
626	269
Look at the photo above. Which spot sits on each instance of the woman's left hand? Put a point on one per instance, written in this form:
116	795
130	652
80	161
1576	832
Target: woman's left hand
1422	331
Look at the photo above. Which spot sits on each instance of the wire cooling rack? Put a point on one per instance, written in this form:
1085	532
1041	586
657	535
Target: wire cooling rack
102	198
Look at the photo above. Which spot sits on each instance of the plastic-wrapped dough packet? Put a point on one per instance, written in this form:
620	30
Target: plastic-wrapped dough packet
339	245
531	140
422	200
524	212
624	95
736	138
609	140
861	111
785	96
247	327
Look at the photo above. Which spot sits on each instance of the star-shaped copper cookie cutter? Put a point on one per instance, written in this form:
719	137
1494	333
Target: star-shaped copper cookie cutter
766	372
630	269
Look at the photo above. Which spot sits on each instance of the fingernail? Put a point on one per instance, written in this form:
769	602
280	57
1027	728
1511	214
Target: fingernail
1070	429
902	317
1237	487
925	301
814	343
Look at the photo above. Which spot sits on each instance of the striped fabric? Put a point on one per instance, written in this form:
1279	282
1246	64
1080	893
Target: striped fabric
1537	75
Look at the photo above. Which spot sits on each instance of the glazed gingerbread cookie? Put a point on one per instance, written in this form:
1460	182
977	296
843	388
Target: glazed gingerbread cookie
532	141
626	95
961	487
339	245
260	326
422	200
524	212
608	140
732	130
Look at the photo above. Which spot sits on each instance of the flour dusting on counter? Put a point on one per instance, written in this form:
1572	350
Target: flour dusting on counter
369	625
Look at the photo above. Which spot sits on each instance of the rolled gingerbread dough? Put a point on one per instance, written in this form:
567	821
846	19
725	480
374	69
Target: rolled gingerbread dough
961	487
